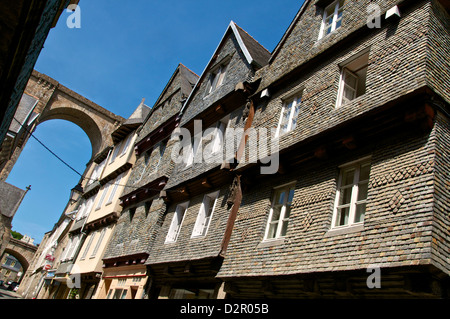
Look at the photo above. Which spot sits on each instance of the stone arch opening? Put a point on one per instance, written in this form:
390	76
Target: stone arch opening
82	120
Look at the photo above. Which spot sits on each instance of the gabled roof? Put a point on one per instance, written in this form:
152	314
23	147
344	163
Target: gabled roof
255	54
132	123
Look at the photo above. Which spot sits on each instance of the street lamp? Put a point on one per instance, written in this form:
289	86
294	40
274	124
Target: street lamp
76	192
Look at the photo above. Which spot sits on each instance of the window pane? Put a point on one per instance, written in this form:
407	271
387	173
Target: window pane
362	191
287	213
295	115
360	212
276	211
291	195
272	230
346	196
351	80
348	176
342	217
365	172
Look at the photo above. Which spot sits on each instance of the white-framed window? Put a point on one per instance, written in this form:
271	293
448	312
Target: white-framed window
99	242
88	245
220	134
162	149
193	149
126	144
280	212
352	83
102	197
177	220
332	18
115	185
216	77
115	152
69	251
205	214
351	194
97	172
289	114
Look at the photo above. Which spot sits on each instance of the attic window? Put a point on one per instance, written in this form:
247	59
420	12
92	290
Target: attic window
332	18
216	77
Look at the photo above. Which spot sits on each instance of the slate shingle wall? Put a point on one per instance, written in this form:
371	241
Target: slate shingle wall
441	221
237	71
397	66
394	234
187	248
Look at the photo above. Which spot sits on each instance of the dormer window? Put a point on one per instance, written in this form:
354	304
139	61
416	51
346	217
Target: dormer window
216	77
332	18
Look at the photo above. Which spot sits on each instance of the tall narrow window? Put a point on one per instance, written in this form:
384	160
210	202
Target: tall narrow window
115	152
332	18
162	149
205	214
88	245
126	144
280	212
114	190
351	195
99	242
289	115
194	149
216	77
353	79
102	198
177	220
220	134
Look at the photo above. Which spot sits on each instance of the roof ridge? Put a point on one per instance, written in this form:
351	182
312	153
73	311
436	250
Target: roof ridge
181	64
262	46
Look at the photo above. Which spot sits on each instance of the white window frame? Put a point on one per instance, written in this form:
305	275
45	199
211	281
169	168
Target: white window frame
295	103
162	149
114	190
127	144
99	241
345	86
287	188
219	137
355	186
205	215
102	197
88	245
193	149
334	23
356	68
115	152
177	221
216	77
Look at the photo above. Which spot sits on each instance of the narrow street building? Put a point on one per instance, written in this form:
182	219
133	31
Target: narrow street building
111	176
188	250
124	270
359	205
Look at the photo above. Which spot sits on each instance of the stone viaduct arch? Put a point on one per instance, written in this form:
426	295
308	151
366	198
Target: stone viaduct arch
23	251
53	100
46	99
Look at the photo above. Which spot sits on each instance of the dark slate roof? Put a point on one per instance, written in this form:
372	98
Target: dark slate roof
10	199
259	54
255	54
133	122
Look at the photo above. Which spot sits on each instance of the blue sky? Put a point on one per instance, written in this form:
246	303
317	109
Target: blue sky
123	52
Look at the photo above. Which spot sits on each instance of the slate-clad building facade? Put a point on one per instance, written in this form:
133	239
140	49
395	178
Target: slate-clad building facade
318	170
189	248
124	271
362	119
